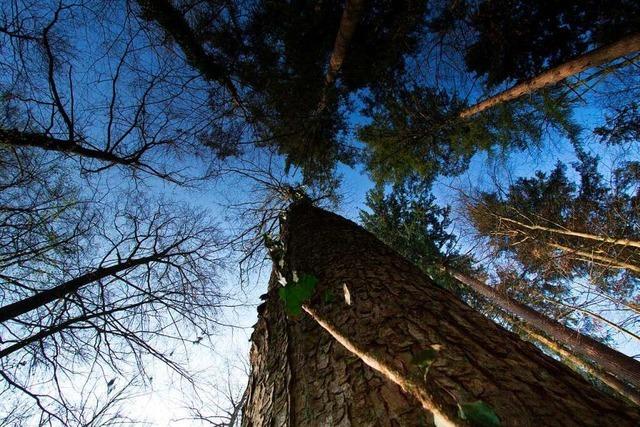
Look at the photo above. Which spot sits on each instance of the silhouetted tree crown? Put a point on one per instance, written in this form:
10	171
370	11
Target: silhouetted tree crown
517	39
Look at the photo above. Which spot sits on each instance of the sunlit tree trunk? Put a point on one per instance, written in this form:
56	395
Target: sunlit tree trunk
348	23
623	242
610	359
592	256
582	246
556	74
358	353
609	252
572	359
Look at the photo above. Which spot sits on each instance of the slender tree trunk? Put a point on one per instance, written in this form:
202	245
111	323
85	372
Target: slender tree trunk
566	232
348	23
596	316
609	359
607	379
365	332
603	260
45	297
236	413
556	74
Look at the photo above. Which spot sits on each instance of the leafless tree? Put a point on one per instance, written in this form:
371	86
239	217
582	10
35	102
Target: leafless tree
101	405
131	103
220	403
270	190
133	281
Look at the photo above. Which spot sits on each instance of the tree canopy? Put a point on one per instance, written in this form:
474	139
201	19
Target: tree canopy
540	34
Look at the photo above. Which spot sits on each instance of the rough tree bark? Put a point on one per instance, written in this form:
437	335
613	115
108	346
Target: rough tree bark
371	314
556	74
301	376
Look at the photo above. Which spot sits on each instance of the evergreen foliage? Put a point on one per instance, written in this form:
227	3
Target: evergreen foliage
417	132
622	127
409	220
280	69
593	206
517	39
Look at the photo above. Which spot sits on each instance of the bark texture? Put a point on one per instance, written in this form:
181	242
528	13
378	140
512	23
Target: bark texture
302	375
602	55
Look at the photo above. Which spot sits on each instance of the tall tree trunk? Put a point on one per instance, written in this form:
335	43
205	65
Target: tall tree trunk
556	74
373	311
572	359
300	376
595	316
611	360
571	233
348	23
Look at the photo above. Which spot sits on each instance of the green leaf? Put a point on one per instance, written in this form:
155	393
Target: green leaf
425	358
478	414
297	293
